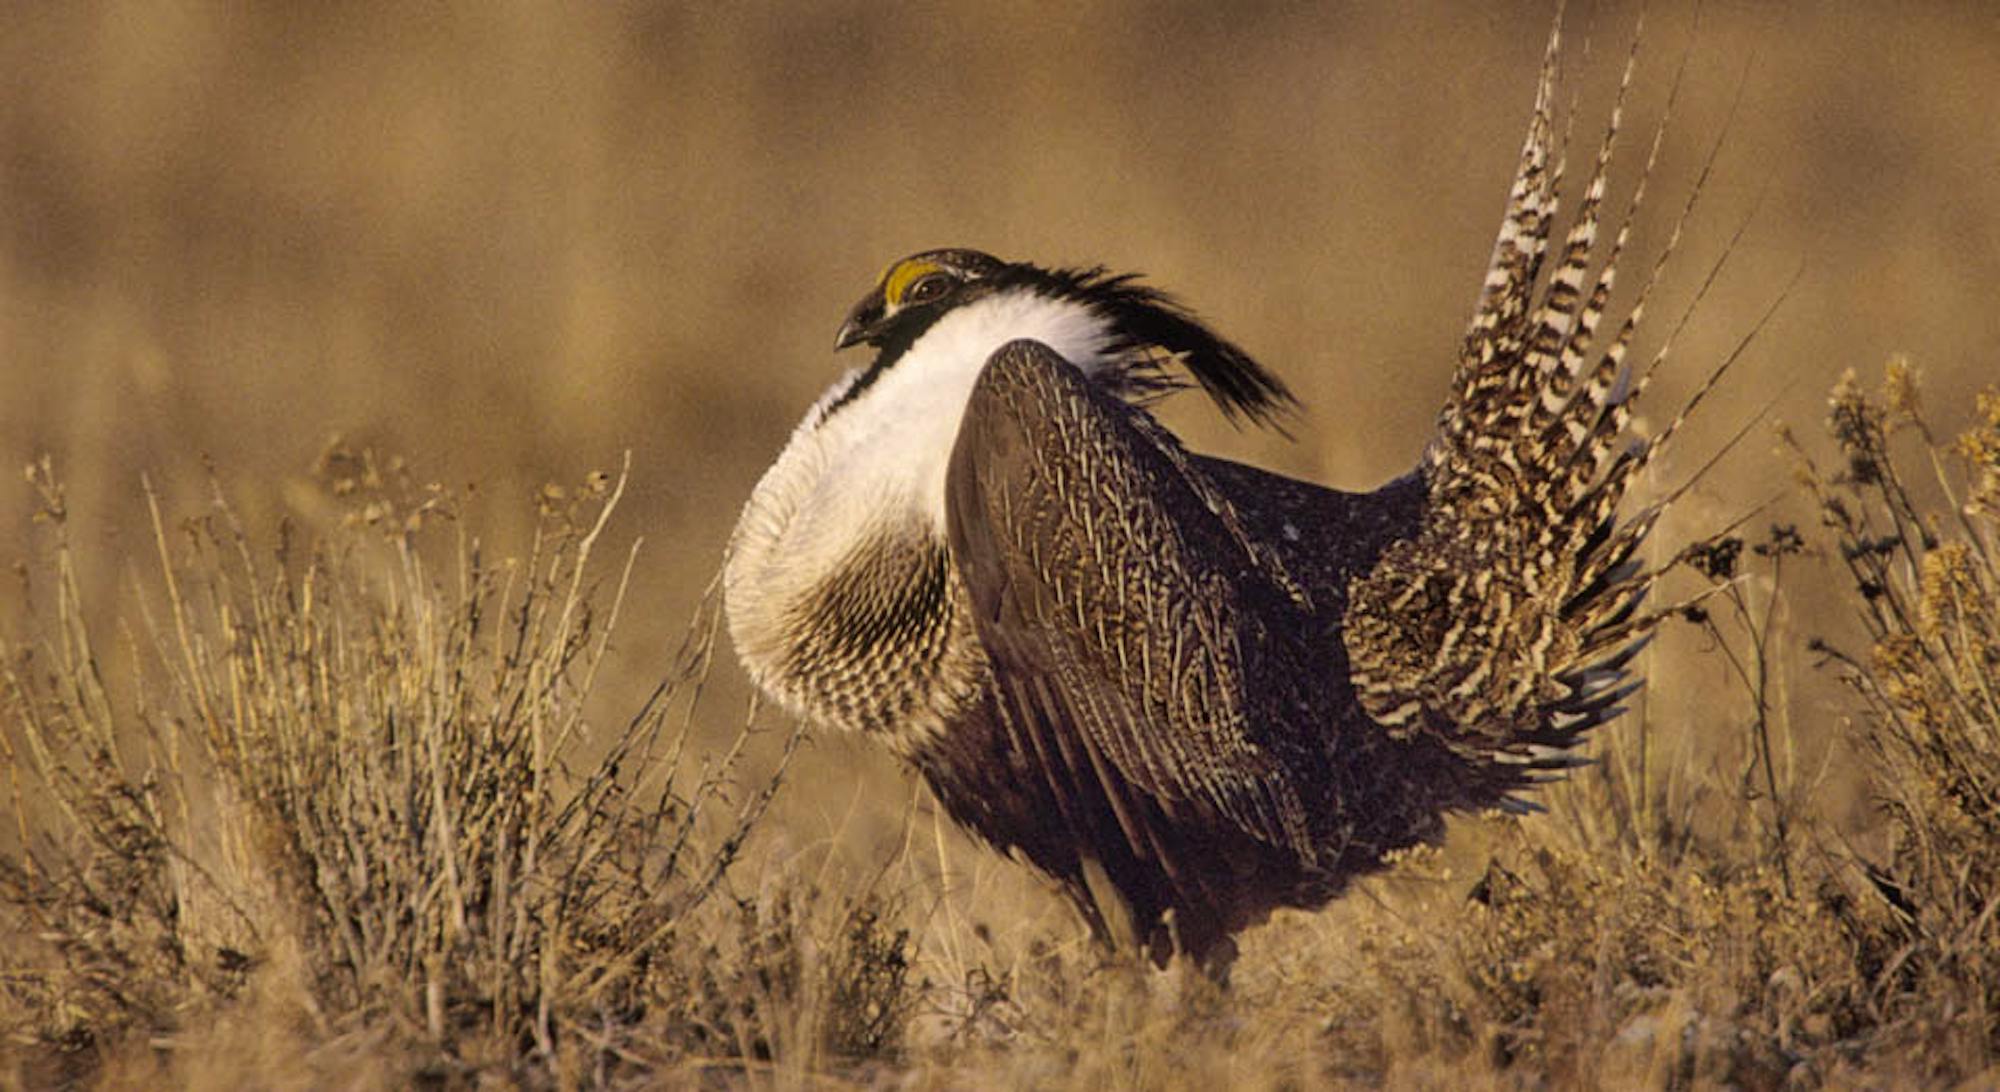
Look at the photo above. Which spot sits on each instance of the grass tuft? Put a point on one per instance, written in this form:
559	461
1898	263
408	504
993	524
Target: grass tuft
368	793
1926	591
343	813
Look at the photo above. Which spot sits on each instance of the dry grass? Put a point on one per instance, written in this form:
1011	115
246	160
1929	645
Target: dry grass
515	240
365	798
1925	583
335	816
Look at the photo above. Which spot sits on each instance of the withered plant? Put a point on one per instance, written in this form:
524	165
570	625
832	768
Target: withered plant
373	793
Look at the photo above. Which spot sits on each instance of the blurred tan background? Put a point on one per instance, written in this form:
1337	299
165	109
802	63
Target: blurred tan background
513	240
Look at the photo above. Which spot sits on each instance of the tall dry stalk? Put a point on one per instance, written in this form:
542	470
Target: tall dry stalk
1925	583
383	783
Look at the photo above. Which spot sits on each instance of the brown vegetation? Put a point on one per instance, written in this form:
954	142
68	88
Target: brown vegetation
333	813
515	240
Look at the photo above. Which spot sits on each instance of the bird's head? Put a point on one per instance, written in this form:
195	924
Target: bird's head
912	293
1153	344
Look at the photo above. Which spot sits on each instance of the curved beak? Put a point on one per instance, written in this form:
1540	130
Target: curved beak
862	324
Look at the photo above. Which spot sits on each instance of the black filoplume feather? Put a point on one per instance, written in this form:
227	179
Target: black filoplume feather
1148	318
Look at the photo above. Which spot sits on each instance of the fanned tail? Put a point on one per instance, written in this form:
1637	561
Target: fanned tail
1509	624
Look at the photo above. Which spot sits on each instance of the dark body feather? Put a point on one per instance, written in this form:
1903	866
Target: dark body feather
1197	733
1191	691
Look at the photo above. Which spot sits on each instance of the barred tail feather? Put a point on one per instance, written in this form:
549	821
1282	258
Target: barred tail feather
1510	623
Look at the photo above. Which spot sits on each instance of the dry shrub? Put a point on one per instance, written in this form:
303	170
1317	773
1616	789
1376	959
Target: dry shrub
872	996
1592	967
366	797
1927	592
346	808
798	979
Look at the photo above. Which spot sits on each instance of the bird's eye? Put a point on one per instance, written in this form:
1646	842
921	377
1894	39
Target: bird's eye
927	288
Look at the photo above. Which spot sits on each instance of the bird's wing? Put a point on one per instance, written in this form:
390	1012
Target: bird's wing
1133	628
1505	624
